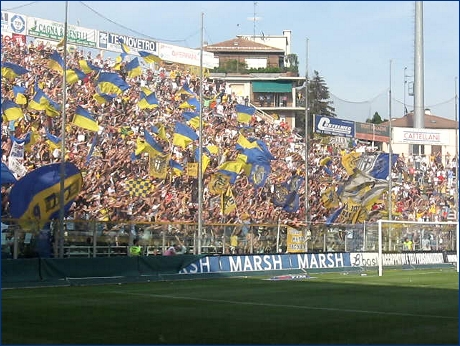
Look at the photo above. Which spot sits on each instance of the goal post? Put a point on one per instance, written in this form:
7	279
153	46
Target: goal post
423	236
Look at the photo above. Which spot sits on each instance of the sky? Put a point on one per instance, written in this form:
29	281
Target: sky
350	43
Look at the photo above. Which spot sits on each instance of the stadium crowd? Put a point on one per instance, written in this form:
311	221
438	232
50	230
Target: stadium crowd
423	187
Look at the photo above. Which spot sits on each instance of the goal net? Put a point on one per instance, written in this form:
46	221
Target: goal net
411	244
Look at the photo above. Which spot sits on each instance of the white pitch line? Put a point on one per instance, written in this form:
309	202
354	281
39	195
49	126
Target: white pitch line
283	305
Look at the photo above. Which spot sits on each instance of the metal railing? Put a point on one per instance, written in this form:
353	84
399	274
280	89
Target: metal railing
84	238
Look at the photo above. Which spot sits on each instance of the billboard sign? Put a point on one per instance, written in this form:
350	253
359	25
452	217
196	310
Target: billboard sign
110	41
334	126
372	132
185	56
14	23
403	135
54	31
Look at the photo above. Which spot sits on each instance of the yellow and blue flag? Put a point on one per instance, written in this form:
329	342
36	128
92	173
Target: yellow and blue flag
7	176
139	187
349	161
10	71
87	67
111	83
19	95
102	98
133	68
191	103
176	167
159	131
159	164
35	197
193	118
151	145
228	203
73	75
258	174
55	62
213	149
40	101
244	143
244	113
286	194
53	109
124	48
11	110
53	141
148	101
205	159
149	57
30	139
218	183
183	135
185	90
231	169
84	119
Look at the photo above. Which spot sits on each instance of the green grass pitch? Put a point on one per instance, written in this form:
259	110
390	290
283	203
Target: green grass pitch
401	307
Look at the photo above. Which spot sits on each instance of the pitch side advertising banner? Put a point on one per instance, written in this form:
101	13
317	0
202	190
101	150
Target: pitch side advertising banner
14	23
185	56
54	31
334	126
403	135
110	41
249	263
370	259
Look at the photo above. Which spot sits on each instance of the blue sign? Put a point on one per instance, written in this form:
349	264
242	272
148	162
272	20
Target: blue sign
334	126
18	24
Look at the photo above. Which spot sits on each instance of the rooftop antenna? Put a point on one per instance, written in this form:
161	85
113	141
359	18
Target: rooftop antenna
254	19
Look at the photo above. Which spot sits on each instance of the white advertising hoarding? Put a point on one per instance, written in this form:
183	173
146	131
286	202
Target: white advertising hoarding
186	56
403	135
54	31
14	23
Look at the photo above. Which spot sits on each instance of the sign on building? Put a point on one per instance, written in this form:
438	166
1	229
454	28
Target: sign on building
403	135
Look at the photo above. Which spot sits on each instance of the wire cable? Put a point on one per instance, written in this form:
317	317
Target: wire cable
129	29
21	6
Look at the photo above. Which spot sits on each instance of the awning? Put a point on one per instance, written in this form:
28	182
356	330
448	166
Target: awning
276	87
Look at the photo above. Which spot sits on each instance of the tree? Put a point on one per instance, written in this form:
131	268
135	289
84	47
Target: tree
318	102
318	97
376	119
293	62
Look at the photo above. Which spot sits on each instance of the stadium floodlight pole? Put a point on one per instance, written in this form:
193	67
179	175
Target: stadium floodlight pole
307	207
63	125
456	174
390	154
200	146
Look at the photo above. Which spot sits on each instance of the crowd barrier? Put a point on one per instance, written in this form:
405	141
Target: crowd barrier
84	271
83	238
57	271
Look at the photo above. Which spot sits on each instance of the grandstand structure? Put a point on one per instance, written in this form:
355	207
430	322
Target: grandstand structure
95	235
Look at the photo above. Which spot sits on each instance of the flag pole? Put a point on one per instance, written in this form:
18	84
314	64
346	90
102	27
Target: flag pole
457	186
390	154
63	125
307	207
200	147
